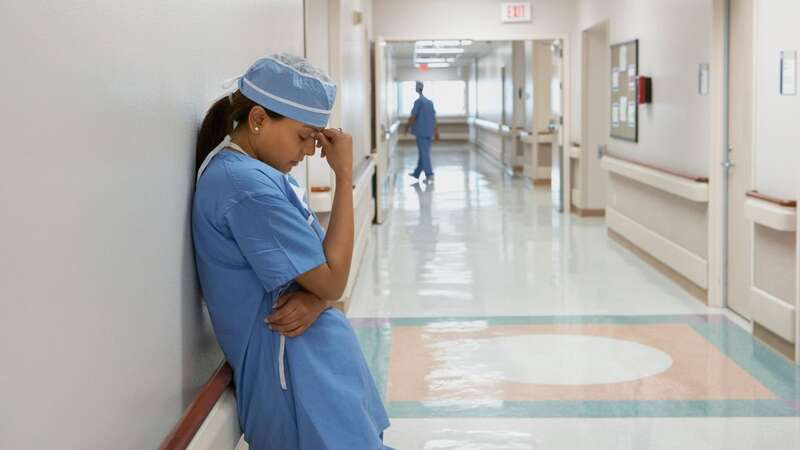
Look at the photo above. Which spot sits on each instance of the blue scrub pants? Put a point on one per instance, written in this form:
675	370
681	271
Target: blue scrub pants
424	160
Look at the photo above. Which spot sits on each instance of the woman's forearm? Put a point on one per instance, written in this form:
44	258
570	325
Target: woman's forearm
338	243
329	280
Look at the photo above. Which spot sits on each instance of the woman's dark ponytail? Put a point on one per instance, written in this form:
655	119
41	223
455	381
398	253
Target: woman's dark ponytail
219	122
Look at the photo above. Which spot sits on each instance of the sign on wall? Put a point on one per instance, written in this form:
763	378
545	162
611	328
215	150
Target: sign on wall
515	12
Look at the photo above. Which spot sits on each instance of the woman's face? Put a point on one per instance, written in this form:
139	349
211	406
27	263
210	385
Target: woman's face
281	143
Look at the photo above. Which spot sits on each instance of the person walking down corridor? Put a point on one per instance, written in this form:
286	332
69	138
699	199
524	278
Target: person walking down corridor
422	123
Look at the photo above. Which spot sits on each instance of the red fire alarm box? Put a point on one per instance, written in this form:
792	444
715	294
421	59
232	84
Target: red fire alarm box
644	90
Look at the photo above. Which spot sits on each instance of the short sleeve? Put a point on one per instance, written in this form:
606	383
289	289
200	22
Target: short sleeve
415	108
275	239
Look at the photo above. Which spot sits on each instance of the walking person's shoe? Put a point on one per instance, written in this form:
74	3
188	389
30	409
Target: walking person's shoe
411	174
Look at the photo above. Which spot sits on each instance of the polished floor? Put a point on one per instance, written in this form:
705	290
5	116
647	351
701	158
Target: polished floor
492	322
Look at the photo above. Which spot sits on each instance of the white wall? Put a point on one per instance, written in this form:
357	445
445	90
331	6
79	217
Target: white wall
353	74
475	19
777	163
542	74
490	84
674	38
104	338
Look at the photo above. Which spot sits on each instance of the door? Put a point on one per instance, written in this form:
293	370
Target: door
556	127
740	135
588	182
382	131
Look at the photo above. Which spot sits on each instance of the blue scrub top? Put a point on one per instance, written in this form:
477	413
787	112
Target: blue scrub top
425	115
252	237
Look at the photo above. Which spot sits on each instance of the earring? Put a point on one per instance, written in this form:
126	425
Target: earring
256	129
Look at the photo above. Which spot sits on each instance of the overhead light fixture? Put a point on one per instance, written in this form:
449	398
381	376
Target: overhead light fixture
430	60
423	43
438	65
437	51
450	60
446	43
466	42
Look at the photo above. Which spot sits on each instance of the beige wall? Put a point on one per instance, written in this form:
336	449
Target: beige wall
104	338
681	221
596	116
777	162
474	19
353	73
674	37
489	93
490	83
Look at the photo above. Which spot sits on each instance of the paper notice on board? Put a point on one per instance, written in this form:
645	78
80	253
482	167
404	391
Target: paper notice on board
623	57
615	115
615	80
632	78
623	109
631	114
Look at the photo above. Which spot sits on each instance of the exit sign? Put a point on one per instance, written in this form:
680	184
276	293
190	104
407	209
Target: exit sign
516	12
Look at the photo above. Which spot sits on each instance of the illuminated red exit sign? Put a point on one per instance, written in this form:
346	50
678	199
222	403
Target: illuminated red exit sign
516	12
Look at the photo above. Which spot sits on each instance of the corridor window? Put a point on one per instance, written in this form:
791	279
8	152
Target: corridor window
449	97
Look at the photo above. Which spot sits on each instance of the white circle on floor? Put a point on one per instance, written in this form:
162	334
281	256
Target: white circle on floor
567	359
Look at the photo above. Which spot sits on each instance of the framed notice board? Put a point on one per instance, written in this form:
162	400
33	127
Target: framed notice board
624	107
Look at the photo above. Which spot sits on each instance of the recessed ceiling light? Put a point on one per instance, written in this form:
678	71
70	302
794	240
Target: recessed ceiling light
436	51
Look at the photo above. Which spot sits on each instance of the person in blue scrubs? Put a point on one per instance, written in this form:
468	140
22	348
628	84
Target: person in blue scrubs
268	270
422	123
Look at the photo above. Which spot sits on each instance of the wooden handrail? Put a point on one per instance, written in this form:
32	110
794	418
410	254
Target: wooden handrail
659	169
184	431
777	201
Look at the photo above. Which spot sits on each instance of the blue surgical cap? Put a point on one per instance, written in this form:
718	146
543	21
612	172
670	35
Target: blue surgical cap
289	85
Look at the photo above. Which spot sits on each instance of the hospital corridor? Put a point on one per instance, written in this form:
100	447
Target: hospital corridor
400	225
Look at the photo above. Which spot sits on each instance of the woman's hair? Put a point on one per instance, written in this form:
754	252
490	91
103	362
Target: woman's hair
219	122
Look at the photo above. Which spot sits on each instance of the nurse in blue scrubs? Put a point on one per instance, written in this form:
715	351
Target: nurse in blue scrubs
268	270
422	123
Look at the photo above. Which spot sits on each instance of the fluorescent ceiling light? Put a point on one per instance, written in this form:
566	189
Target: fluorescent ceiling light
436	51
466	42
438	65
451	60
423	43
431	60
446	43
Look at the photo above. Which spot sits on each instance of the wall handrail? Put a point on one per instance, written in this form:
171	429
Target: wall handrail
660	169
195	414
786	203
693	189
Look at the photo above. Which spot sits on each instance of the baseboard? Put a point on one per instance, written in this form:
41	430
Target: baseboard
584	212
780	345
688	285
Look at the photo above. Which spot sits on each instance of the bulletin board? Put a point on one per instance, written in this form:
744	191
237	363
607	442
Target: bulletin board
624	107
